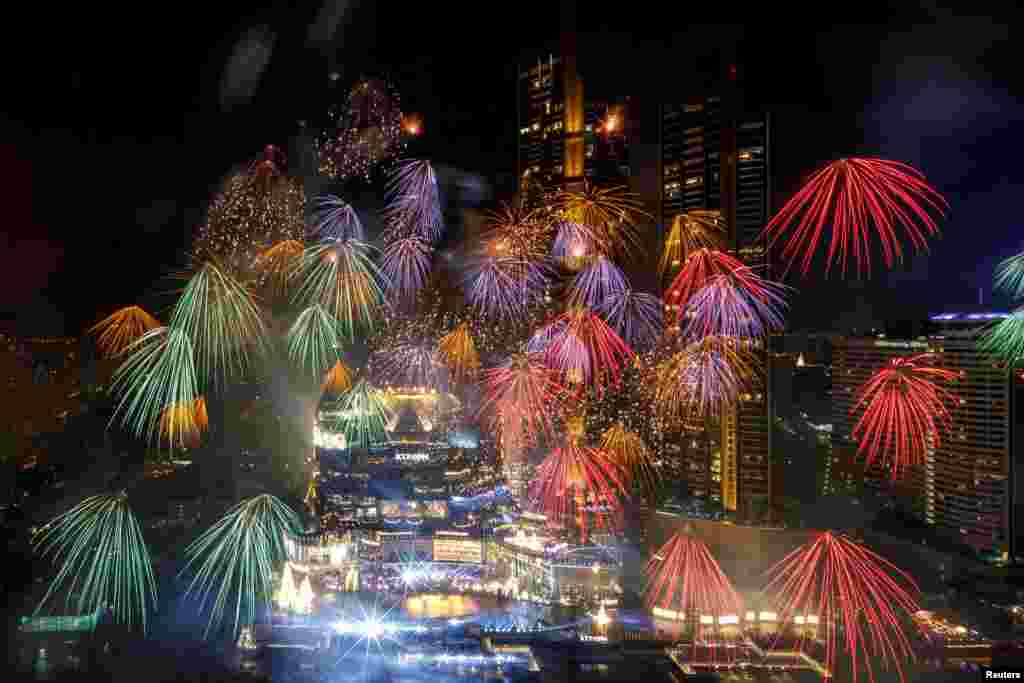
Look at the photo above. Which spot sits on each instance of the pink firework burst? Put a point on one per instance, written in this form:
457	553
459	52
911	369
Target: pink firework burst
860	200
585	350
523	394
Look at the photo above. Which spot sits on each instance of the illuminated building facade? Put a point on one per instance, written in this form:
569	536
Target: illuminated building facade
563	137
964	486
716	156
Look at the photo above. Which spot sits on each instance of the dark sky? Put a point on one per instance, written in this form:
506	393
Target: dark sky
120	126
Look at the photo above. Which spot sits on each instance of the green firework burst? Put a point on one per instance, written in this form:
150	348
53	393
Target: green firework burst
362	414
1005	339
235	558
222	321
103	559
158	372
313	340
341	276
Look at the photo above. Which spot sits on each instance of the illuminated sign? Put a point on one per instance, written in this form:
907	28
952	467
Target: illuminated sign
412	457
413	509
451	549
58	624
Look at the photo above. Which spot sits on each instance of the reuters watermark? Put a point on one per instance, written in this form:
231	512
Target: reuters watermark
1002	674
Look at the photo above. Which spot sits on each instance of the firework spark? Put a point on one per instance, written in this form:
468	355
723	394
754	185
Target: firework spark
235	558
693	230
103	560
221	320
277	264
411	364
905	411
158	371
683	576
635	316
341	276
855	594
504	287
575	480
523	392
414	206
366	131
185	422
121	329
585	350
703	266
852	196
574	242
335	219
598	281
458	350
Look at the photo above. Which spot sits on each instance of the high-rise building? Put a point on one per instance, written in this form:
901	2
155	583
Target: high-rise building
715	156
564	137
964	486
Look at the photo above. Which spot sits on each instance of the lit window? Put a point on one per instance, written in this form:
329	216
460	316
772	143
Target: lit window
696	180
547	107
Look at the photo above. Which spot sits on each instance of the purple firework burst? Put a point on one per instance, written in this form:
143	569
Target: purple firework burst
335	219
599	280
636	316
724	308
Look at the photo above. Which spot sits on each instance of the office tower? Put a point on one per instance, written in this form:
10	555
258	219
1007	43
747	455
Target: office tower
563	137
963	488
715	156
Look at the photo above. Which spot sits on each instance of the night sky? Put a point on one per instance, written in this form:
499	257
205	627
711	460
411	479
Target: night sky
116	136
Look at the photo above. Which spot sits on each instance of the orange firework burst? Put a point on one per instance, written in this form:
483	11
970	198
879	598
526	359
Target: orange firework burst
518	234
121	329
183	423
611	213
458	350
693	230
581	484
631	453
278	263
702	379
338	379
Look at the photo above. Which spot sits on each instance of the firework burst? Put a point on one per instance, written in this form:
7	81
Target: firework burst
339	379
504	287
611	214
597	282
234	560
574	242
853	196
585	350
855	594
277	264
411	364
523	395
335	219
725	308
629	451
341	276
221	320
1004	340
458	350
702	379
366	131
579	484
103	560
693	230
683	576
184	423
414	206
313	340
257	208
362	415
406	266
704	265
158	372
636	316
905	411
1010	276
121	329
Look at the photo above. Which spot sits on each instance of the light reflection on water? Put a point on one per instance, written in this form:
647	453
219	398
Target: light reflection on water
440	605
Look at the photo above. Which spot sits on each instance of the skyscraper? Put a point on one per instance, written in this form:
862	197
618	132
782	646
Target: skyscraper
715	156
964	487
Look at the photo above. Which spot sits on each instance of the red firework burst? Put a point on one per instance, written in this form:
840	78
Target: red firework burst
684	577
705	265
904	409
581	485
855	595
585	350
524	393
853	196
